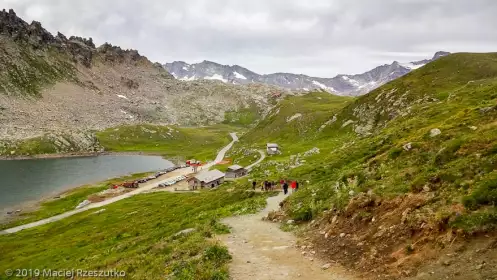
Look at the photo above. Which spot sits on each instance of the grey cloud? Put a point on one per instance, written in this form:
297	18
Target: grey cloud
319	37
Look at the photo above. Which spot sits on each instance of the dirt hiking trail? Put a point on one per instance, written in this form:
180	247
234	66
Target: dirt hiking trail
261	250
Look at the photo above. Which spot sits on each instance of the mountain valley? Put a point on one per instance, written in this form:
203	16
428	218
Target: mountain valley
56	91
397	169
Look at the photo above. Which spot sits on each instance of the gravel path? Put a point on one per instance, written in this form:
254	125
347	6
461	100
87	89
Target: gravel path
143	188
261	250
263	156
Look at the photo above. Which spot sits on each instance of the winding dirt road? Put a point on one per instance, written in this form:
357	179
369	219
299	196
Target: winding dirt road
261	250
263	156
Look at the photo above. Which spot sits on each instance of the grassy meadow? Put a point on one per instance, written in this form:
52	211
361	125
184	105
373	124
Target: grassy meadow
201	143
138	236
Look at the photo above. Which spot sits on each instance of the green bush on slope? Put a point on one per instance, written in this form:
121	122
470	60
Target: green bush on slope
485	193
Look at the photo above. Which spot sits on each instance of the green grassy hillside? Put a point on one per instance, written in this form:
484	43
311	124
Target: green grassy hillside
295	122
170	141
456	95
297	117
201	143
24	71
431	133
244	117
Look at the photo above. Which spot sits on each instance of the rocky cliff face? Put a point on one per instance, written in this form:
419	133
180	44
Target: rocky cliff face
358	84
81	50
53	84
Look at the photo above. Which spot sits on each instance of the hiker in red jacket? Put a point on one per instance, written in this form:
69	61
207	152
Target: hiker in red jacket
294	186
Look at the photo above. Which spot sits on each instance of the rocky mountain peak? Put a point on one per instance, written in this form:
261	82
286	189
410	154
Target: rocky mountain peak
208	62
112	53
439	54
88	42
19	30
82	50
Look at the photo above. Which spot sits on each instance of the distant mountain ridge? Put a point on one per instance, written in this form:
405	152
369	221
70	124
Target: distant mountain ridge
357	84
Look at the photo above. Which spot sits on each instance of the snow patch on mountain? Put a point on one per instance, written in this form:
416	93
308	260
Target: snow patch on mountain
323	86
239	76
353	82
192	78
371	85
412	66
216	77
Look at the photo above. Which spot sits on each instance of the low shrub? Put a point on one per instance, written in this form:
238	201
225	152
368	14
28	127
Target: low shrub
476	222
484	194
448	153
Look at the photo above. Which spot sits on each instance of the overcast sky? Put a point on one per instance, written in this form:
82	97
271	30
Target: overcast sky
314	37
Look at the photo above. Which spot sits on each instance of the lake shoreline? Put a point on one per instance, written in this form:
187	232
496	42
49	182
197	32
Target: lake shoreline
33	205
27	207
75	155
71	184
174	160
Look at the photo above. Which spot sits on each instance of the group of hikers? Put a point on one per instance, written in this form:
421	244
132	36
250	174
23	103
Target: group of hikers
271	185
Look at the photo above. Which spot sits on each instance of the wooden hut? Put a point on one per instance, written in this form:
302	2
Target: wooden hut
272	149
210	179
236	171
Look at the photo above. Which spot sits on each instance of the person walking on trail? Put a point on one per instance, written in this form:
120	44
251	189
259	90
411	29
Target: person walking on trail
285	188
254	183
281	183
294	186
